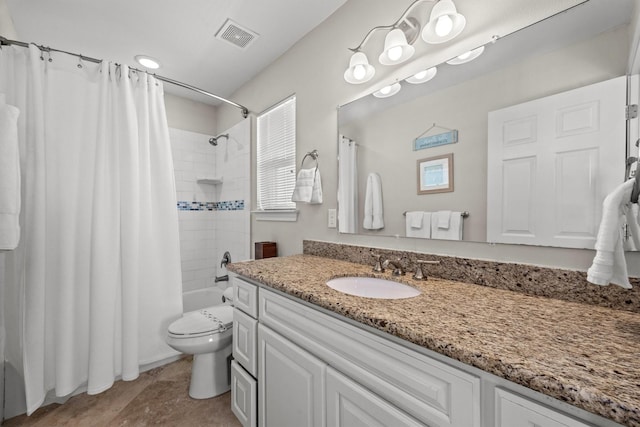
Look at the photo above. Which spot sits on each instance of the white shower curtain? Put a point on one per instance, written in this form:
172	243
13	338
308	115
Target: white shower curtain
347	186
96	278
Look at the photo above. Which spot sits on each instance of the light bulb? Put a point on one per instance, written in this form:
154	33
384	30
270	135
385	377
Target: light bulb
359	72
464	55
395	53
444	25
385	90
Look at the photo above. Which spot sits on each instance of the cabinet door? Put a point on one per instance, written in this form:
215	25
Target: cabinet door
513	410
291	389
244	340
245	296
243	396
351	405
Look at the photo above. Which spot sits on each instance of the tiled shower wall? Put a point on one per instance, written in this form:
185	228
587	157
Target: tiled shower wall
213	218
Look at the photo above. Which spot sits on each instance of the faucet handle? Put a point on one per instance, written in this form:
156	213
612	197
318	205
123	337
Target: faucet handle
419	275
378	268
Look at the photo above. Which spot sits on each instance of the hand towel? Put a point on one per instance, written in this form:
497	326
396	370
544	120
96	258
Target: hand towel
423	232
414	219
308	187
9	178
444	219
454	232
373	209
609	264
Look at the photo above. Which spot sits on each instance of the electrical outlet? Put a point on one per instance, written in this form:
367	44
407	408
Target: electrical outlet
331	218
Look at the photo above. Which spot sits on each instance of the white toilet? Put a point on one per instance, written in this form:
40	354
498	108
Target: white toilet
206	334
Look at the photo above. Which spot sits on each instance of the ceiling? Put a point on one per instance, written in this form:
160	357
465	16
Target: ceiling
180	34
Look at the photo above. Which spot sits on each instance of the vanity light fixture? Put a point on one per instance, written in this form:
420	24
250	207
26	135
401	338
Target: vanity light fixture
467	56
359	71
388	91
422	76
445	23
396	48
147	62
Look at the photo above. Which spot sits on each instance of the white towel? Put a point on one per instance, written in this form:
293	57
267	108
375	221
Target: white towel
414	219
424	232
9	178
454	232
444	219
609	264
308	187
373	210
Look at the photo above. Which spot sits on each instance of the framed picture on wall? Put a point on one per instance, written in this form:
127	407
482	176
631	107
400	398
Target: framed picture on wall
435	174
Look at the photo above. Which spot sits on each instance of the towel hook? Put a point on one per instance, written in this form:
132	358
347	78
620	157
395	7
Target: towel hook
313	154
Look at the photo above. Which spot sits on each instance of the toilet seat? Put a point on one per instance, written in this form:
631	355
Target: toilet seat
210	320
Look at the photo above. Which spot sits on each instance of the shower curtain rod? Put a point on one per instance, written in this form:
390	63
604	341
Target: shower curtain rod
244	111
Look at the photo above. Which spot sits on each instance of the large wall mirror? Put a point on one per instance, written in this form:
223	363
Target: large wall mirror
392	142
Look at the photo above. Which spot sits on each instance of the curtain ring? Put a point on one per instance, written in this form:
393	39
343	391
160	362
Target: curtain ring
80	61
49	55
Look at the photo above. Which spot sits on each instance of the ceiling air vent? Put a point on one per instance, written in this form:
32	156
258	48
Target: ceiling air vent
236	35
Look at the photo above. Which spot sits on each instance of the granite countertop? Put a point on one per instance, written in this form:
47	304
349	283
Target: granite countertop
585	355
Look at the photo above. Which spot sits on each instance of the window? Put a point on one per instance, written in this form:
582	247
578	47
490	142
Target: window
276	157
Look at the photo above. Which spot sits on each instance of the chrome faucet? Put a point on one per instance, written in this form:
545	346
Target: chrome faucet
378	267
398	268
419	275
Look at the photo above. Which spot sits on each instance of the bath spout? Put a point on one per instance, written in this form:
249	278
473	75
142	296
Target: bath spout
224	278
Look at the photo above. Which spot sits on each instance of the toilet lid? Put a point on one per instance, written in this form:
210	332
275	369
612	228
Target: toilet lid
209	320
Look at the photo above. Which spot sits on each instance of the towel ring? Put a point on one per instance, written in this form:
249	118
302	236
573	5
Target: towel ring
314	155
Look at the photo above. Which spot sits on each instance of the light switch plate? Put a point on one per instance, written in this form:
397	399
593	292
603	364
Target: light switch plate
331	223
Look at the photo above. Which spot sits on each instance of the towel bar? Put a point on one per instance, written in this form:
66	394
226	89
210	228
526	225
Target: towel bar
464	214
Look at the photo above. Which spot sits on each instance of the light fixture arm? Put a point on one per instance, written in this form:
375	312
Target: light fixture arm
389	27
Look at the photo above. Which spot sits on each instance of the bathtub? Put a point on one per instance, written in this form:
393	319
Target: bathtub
201	298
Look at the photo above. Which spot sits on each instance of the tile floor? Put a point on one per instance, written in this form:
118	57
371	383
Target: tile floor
158	397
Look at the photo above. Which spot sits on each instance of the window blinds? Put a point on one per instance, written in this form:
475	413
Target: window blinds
276	156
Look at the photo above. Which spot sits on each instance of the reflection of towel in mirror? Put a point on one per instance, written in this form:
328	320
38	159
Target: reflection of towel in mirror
454	229
373	210
9	177
308	187
609	264
418	224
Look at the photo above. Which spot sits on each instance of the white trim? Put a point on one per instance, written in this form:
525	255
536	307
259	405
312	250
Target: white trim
288	215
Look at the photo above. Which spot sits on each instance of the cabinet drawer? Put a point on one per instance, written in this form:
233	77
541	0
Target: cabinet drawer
433	392
245	296
244	341
513	410
351	405
244	394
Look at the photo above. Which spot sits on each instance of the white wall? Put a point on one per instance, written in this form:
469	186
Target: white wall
312	69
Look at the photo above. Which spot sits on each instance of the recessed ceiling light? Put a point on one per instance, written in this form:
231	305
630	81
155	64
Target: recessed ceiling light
147	62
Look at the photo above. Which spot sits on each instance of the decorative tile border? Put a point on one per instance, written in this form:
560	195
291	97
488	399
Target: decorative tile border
229	205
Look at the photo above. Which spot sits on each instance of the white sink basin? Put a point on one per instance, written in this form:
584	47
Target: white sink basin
372	287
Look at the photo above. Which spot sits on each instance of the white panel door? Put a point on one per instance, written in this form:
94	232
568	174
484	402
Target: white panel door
551	162
291	383
351	405
515	411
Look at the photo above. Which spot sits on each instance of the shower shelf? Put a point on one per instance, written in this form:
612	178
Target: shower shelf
214	180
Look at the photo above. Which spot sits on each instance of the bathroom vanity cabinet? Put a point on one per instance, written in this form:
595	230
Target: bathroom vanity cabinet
300	365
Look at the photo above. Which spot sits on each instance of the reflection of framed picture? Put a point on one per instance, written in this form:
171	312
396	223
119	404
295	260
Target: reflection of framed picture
435	174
